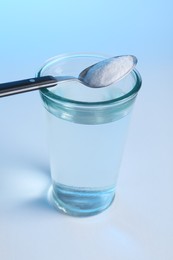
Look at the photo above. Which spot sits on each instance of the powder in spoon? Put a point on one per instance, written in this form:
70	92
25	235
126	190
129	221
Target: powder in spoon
110	70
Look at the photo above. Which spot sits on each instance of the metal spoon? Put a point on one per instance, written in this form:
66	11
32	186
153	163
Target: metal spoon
98	75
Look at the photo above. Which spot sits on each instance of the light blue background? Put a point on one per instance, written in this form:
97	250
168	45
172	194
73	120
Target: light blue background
139	224
32	31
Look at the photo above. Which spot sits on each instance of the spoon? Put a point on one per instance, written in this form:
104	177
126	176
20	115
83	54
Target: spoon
101	74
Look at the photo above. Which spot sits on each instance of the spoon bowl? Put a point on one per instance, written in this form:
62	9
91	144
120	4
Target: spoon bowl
107	72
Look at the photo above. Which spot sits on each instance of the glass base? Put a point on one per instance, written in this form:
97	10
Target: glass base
80	202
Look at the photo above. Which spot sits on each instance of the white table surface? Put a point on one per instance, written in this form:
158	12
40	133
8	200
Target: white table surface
139	224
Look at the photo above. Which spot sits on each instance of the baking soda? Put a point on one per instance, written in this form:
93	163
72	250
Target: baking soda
110	70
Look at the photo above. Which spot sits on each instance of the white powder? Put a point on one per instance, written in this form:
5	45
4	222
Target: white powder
108	71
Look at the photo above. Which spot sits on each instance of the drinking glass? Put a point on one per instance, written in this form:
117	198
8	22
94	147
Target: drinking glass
87	129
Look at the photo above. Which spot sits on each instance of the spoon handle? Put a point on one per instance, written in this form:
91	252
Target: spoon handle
26	85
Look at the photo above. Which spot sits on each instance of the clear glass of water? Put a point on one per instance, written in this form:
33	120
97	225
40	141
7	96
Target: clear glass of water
87	129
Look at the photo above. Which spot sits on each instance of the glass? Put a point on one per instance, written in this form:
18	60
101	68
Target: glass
87	130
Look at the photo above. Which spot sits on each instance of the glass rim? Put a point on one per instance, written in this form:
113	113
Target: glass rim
56	98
